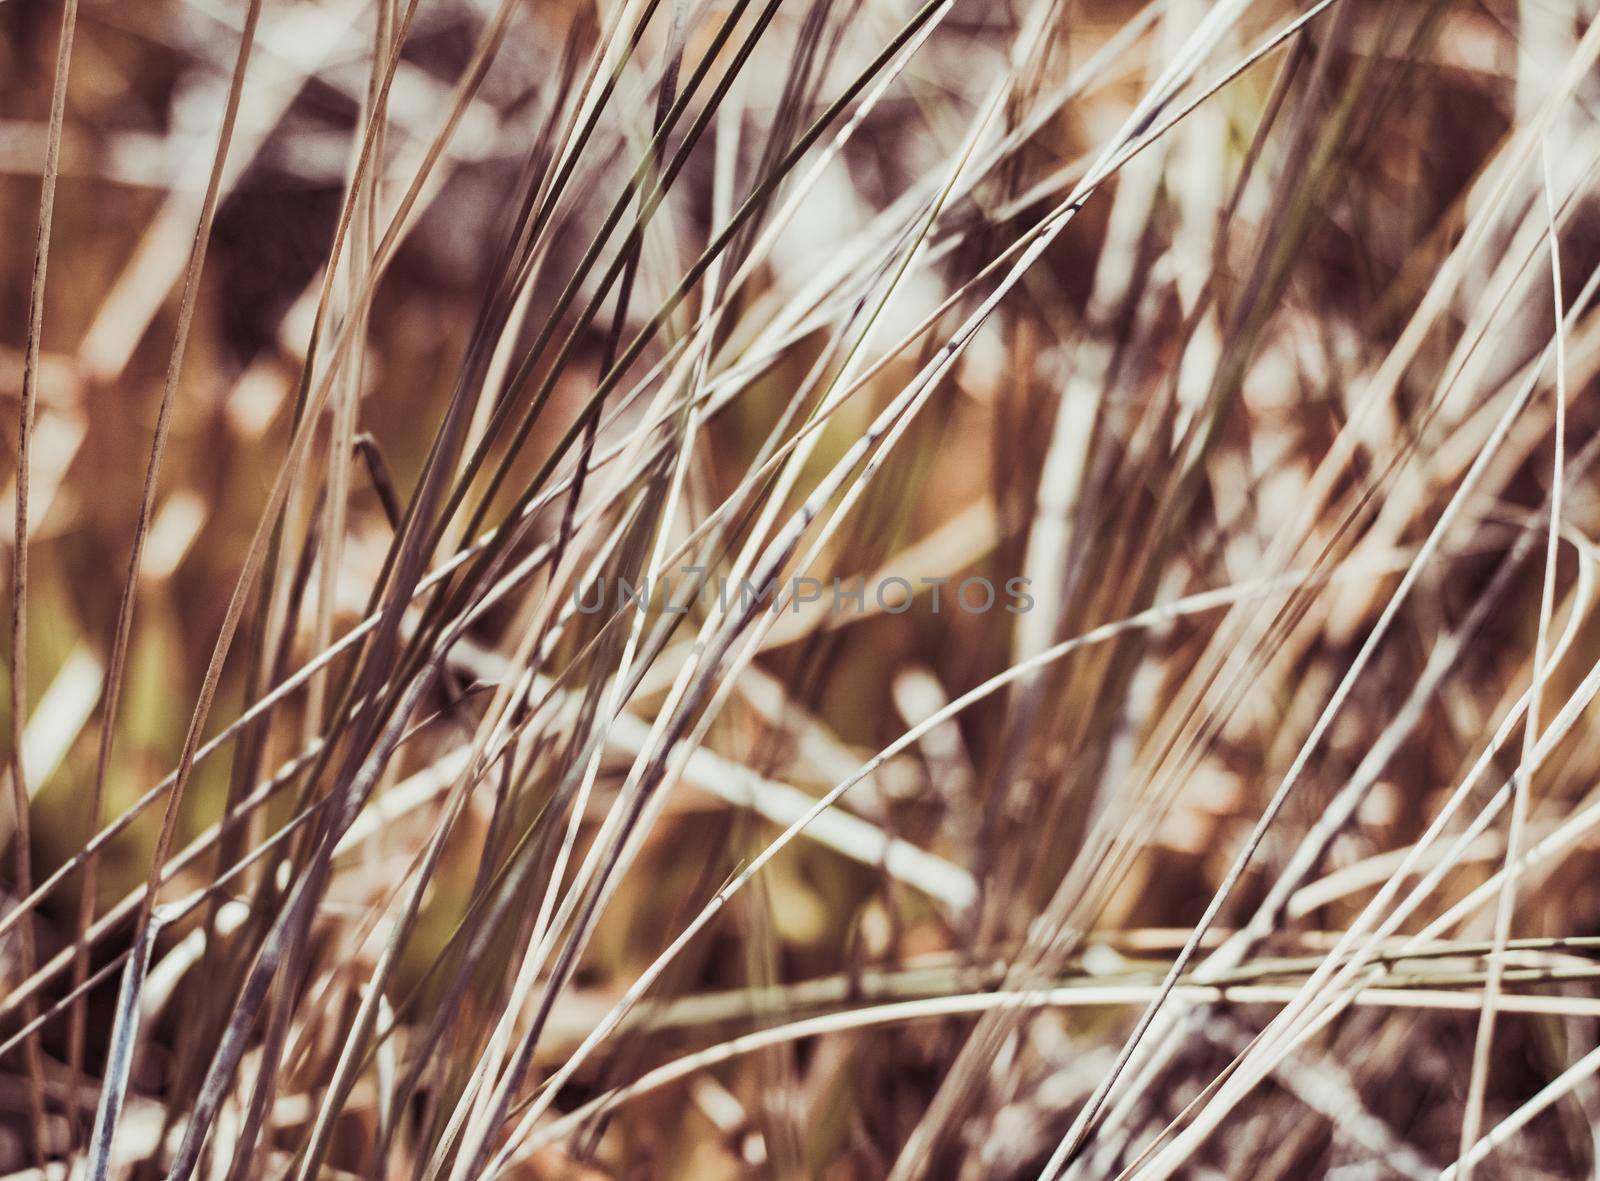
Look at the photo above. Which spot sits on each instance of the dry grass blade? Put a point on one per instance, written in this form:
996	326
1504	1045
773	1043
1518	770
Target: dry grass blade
21	807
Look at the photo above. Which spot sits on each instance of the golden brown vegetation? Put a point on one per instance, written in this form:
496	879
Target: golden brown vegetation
356	826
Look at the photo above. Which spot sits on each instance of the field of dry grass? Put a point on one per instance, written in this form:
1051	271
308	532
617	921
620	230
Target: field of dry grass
1115	483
